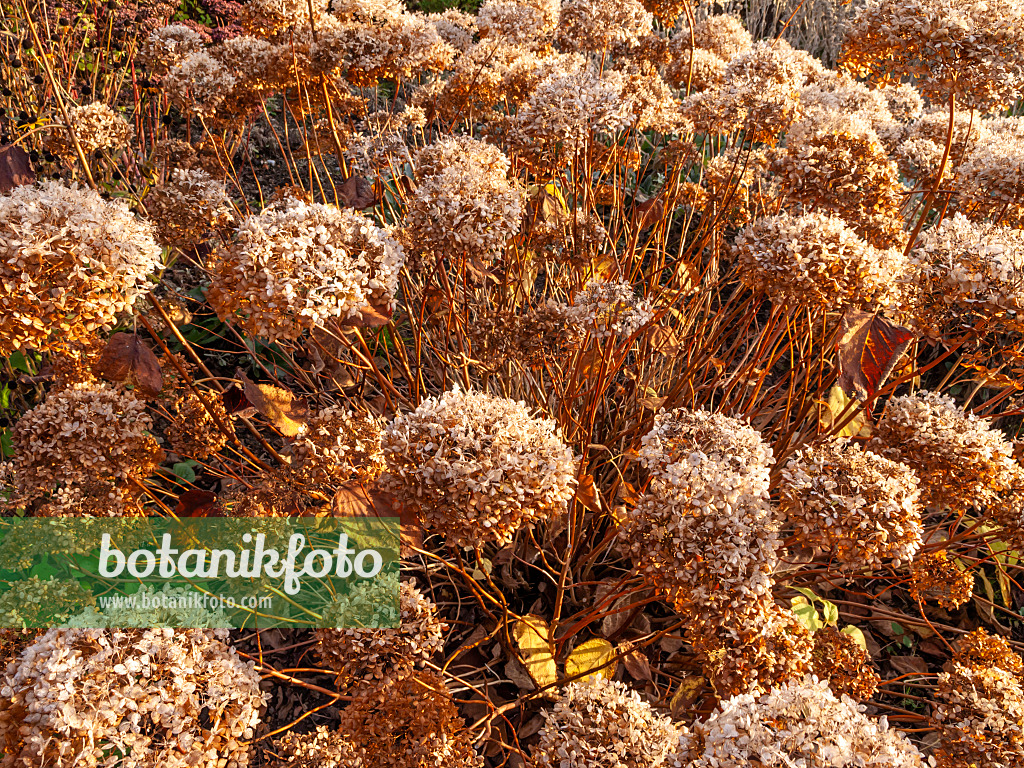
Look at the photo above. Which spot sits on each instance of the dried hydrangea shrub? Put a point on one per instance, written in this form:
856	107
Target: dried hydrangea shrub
187	206
724	35
374	659
455	27
834	162
704	530
167	46
969	270
337	446
297	265
962	462
859	506
418	725
477	467
96	126
83	437
846	666
600	723
950	48
799	723
465	202
597	26
76	697
606	308
815	260
70	263
990	181
198	84
33	602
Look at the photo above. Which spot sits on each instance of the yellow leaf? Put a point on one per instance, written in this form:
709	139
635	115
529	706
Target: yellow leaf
838	402
533	635
595	656
856	634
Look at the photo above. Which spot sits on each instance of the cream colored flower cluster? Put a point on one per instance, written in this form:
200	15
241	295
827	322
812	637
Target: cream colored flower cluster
455	28
854	504
338	446
800	723
465	202
971	50
168	46
600	723
990	180
477	467
372	660
70	263
198	84
606	308
296	265
146	698
188	206
96	126
972	269
79	438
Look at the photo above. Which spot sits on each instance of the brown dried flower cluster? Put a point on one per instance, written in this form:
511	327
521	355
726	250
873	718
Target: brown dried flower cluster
981	705
70	263
815	260
846	666
373	660
477	467
188	206
541	334
605	308
75	697
854	504
80	448
193	431
96	127
531	23
951	48
990	180
600	25
296	265
338	446
933	576
600	723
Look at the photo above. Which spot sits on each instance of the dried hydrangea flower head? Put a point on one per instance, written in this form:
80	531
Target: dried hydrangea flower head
904	101
799	723
966	270
739	180
198	84
980	649
70	263
854	504
961	461
652	101
529	339
703	70
265	18
455	27
167	46
96	126
193	432
846	666
598	26
724	35
187	206
74	697
834	162
919	147
477	467
33	602
565	110
337	446
666	11
418	725
980	714
531	23
971	51
704	530
296	265
600	723
374	659
815	260
464	202
934	577
86	435
322	748
606	308
990	181
747	644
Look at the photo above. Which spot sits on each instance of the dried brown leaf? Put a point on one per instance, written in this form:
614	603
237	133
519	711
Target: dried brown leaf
286	412
127	358
15	168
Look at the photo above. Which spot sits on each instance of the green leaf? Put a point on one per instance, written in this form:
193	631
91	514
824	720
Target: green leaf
20	363
806	614
183	469
831	612
43	570
6	445
806	593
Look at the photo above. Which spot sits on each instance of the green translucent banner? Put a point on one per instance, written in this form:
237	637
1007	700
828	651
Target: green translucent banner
199	572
